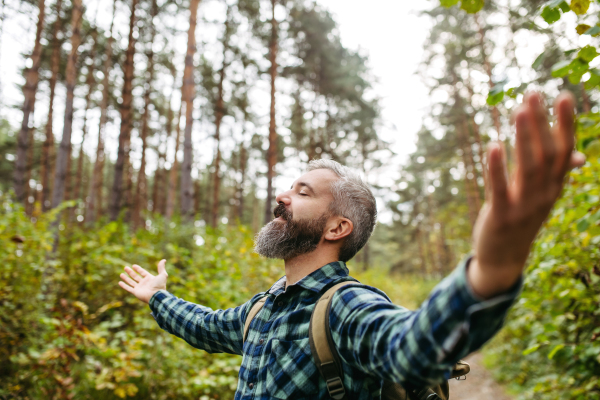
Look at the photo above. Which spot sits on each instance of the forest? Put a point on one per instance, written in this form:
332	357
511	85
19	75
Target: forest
151	129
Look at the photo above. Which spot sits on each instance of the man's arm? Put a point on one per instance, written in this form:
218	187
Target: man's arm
417	348
213	331
515	211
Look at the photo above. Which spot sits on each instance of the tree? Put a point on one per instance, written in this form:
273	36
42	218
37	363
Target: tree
126	120
64	153
47	162
272	150
94	199
188	92
29	91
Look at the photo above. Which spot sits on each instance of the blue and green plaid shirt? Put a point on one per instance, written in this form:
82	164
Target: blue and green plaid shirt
375	339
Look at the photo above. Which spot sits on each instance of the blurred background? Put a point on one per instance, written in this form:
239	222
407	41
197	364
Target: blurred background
132	131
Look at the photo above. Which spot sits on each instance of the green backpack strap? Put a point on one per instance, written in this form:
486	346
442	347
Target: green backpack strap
253	311
328	361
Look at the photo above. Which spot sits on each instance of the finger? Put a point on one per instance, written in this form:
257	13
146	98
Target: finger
141	271
133	274
546	147
577	160
498	177
128	280
526	161
565	133
126	287
161	267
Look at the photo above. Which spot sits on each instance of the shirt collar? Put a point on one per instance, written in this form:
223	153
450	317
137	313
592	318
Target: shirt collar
317	280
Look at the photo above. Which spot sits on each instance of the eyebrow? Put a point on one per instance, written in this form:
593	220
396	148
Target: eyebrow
304	184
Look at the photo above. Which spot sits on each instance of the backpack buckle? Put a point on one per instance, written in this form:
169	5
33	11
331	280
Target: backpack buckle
335	387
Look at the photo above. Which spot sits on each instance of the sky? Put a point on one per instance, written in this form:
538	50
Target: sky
390	32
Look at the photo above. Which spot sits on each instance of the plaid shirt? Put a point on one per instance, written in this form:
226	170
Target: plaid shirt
375	339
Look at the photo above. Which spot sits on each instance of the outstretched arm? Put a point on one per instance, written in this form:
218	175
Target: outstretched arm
217	331
515	211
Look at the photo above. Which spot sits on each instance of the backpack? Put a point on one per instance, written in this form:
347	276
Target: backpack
328	361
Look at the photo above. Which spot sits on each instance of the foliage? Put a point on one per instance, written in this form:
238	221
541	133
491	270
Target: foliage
550	348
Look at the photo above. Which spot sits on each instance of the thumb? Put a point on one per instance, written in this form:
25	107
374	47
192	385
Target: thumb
161	267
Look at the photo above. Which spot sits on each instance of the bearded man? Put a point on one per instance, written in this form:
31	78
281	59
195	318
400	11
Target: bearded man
325	218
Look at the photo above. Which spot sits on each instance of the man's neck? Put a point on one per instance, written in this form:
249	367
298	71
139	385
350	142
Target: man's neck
298	267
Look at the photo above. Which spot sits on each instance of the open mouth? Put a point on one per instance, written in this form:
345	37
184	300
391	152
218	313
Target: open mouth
281	213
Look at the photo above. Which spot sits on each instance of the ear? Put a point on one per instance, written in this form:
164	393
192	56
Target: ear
338	228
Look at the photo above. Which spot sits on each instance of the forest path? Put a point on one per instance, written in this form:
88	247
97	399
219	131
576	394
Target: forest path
479	385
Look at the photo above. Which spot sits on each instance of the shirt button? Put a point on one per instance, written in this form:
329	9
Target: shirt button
280	303
261	341
251	385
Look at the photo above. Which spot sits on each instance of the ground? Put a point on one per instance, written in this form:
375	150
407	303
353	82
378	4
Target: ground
479	385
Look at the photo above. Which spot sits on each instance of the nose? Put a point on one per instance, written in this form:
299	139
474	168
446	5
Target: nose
283	198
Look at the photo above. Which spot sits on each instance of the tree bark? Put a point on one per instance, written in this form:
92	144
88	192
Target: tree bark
189	91
240	211
29	91
126	121
219	112
272	151
91	84
94	206
64	153
47	164
174	168
140	201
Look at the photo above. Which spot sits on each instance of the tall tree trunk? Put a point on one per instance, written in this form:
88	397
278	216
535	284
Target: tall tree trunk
47	167
91	84
126	121
94	206
272	151
29	191
29	90
477	136
219	112
64	153
488	70
189	92
174	168
240	196
141	201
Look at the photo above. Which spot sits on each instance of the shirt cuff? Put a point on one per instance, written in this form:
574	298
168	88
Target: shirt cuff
482	317
156	299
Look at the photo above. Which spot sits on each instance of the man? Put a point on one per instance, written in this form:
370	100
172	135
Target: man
321	222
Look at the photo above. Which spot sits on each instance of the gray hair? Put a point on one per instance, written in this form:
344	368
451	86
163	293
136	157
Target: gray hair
352	199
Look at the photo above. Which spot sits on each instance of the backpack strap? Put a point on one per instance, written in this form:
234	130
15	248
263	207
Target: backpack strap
253	311
321	344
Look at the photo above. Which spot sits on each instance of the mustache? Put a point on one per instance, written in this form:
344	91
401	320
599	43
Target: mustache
281	211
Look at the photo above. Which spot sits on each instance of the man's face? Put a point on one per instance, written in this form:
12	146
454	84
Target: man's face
300	217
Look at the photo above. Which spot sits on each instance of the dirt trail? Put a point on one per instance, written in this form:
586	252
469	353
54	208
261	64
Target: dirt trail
479	385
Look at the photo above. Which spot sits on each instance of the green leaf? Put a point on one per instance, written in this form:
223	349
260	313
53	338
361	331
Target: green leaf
580	7
583	225
512	93
472	6
495	95
592	83
587	53
550	15
561	69
538	61
594	30
564	7
448	3
579	66
555	350
582	28
531	349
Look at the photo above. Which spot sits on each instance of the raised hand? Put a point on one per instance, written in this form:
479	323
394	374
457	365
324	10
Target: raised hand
515	211
141	283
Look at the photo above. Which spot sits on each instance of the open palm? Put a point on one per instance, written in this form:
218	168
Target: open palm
141	283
